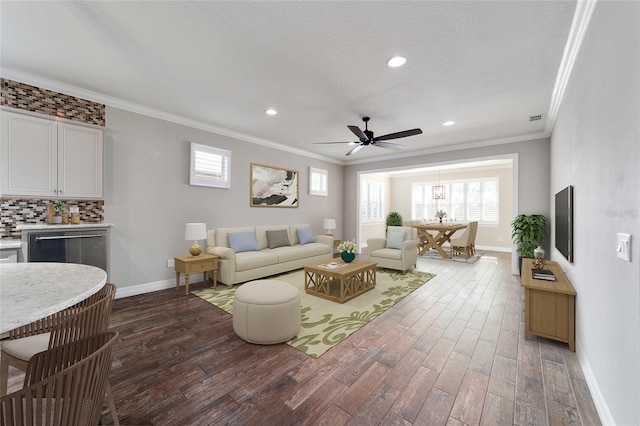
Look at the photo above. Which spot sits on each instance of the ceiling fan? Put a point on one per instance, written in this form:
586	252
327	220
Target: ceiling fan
366	138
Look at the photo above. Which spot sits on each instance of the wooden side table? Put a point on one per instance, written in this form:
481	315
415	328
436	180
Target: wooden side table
549	306
336	243
192	264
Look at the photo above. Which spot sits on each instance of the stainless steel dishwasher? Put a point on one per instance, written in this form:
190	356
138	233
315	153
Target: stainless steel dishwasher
86	246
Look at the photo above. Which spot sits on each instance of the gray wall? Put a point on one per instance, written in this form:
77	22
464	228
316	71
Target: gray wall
595	147
149	199
531	170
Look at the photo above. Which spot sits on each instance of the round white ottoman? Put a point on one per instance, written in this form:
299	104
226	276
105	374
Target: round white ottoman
266	312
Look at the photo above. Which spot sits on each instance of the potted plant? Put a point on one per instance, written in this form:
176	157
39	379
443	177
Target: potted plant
441	214
528	232
394	219
347	251
58	207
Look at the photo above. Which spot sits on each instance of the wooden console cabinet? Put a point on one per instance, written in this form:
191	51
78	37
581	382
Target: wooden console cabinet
549	306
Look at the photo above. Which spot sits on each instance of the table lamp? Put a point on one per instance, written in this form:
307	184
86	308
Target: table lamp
329	224
194	232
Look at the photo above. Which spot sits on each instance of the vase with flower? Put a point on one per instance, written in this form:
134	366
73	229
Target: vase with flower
440	214
347	251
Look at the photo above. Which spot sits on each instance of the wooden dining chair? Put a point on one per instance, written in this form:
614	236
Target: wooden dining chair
64	385
89	317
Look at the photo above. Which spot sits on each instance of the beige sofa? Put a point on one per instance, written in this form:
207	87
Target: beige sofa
240	267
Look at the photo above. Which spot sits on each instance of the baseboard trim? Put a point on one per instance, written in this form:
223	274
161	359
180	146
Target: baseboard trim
492	248
598	399
135	290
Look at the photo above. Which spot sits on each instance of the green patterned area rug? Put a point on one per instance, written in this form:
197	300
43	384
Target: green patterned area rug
326	323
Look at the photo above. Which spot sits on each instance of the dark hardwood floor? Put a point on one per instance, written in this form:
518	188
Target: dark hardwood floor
451	353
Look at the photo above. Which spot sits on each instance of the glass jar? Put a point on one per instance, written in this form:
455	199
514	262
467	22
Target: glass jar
74	212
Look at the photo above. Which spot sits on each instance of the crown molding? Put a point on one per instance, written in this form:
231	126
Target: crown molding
581	20
110	101
457	147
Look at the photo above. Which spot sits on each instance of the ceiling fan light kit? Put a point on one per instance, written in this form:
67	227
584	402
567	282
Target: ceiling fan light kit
366	137
396	61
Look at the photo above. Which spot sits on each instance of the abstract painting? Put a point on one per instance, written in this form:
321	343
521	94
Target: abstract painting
273	186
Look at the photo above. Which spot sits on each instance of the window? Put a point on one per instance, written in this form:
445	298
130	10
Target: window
210	166
469	200
318	182
371	201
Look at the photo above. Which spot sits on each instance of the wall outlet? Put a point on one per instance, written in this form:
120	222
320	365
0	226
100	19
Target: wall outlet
171	263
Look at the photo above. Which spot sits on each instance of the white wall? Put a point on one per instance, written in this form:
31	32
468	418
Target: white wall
149	199
595	147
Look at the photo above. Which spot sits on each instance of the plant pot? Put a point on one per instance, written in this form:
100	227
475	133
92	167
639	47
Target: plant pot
57	219
520	265
347	257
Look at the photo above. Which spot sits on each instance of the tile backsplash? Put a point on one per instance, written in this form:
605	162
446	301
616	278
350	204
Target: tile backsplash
30	98
15	211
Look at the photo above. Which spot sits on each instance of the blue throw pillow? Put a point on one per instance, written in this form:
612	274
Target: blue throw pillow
243	241
305	236
395	239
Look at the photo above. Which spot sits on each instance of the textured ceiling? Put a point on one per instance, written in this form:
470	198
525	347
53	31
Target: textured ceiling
486	65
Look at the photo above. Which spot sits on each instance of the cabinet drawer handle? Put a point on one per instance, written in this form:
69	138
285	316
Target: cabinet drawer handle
68	237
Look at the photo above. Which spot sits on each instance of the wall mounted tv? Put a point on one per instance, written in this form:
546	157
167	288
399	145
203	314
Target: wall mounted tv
564	222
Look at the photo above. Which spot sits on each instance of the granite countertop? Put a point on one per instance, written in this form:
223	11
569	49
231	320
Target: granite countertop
10	244
66	227
41	289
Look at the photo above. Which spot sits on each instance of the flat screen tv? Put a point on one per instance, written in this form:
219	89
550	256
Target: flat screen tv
564	222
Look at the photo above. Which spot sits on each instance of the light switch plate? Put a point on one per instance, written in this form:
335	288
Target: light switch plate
624	247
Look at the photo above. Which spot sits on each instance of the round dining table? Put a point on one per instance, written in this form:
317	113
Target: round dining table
31	291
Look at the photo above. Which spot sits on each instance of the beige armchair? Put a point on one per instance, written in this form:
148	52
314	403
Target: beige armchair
398	251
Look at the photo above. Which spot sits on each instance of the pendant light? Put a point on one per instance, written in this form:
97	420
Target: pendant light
438	190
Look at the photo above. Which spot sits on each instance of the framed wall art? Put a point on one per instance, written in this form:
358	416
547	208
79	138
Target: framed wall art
273	186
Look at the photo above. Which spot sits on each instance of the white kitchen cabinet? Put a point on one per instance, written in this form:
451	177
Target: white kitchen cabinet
43	157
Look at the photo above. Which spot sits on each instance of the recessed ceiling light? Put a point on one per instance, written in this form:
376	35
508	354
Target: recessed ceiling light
270	111
448	123
396	61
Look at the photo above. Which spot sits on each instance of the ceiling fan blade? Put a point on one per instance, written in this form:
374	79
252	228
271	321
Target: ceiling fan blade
359	133
389	145
398	135
325	143
354	150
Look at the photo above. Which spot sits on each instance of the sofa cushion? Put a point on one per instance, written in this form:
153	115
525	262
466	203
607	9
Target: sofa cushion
279	238
395	239
221	238
242	241
305	236
255	259
290	253
387	253
293	232
316	249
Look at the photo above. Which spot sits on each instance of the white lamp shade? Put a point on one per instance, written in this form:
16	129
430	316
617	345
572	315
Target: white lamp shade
329	224
195	231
